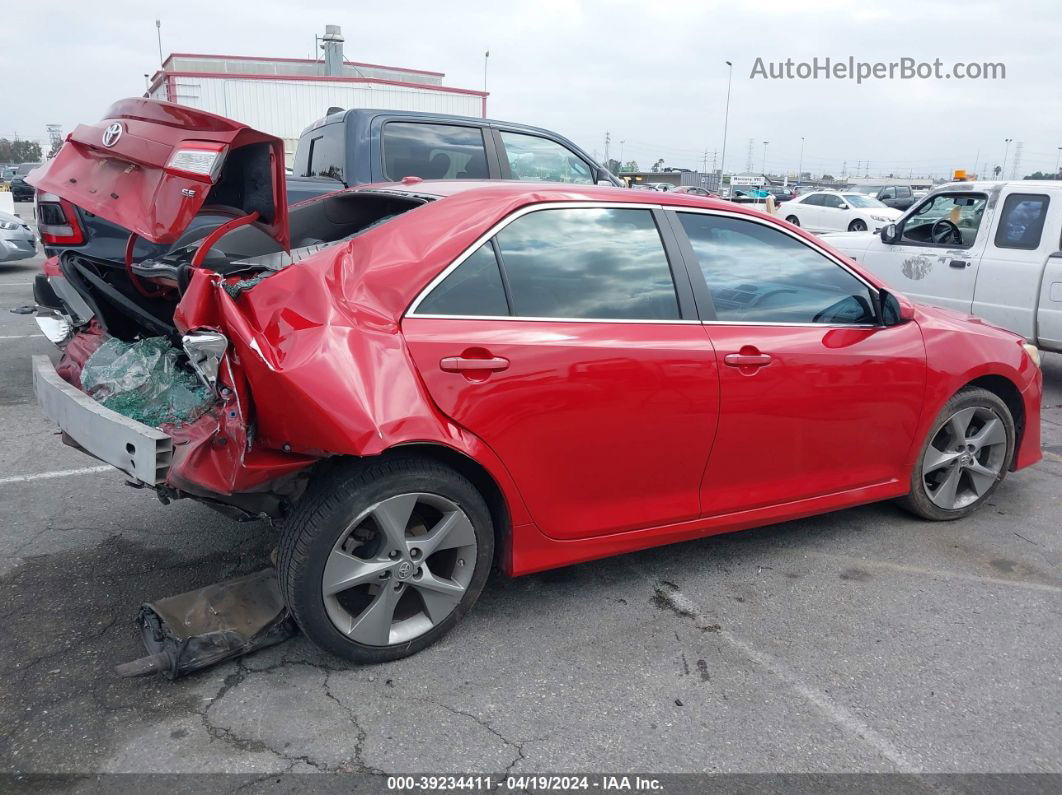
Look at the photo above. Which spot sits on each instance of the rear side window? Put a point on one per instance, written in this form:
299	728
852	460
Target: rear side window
473	289
534	158
433	151
758	274
588	263
829	200
1022	221
814	199
327	152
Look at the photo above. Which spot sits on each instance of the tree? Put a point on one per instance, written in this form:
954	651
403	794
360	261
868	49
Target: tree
19	151
614	165
630	165
1042	175
658	165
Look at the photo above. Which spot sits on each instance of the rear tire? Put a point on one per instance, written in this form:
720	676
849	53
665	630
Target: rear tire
793	220
381	558
858	225
964	458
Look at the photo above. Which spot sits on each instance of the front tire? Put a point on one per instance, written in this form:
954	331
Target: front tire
793	220
964	458
381	558
858	225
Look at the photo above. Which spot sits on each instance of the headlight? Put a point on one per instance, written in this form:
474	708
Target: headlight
1033	351
8	225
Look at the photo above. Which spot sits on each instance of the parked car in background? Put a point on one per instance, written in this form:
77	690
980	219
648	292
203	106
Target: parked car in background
781	194
693	190
987	248
831	211
346	148
16	239
899	197
442	375
21	191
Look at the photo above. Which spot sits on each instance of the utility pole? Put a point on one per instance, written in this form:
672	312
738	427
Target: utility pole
764	164
726	119
1058	159
1006	151
486	60
607	139
800	168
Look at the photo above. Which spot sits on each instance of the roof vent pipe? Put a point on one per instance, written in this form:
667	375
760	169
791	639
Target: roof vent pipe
332	44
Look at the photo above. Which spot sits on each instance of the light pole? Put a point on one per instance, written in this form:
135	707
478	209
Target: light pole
800	168
1057	160
763	166
1006	151
726	120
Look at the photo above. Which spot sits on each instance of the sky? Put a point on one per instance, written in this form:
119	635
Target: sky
652	75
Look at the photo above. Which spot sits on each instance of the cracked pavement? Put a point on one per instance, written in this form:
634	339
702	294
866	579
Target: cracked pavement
860	641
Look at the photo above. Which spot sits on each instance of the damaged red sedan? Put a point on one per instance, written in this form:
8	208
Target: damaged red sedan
419	380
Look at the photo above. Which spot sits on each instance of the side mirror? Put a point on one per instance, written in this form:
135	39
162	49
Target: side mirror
843	207
606	182
890	234
895	310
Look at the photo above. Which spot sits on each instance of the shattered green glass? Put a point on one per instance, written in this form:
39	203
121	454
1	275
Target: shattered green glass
143	381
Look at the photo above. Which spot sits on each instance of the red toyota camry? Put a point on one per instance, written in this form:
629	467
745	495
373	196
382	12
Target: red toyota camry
418	380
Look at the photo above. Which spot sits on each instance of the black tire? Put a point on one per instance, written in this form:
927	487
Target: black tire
793	220
858	225
323	516
919	501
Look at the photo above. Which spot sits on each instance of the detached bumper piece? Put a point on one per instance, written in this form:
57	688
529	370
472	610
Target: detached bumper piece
201	628
138	450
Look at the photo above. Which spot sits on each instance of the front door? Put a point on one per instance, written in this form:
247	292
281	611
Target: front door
564	345
937	256
815	397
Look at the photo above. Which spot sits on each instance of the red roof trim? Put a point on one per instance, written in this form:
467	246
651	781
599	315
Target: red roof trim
323	78
296	60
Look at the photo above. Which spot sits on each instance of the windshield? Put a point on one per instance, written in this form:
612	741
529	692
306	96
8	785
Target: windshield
858	200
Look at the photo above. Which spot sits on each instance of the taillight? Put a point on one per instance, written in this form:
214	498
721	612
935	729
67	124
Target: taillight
199	160
57	221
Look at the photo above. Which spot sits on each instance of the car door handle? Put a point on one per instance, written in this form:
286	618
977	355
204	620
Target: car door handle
958	263
462	364
747	359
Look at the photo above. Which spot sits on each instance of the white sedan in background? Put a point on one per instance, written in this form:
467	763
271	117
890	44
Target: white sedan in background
835	211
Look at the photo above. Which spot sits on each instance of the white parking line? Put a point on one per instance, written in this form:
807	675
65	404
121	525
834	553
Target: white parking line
22	337
60	473
838	713
16	284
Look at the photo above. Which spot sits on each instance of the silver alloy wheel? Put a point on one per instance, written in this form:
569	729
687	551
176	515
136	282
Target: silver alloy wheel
399	569
965	458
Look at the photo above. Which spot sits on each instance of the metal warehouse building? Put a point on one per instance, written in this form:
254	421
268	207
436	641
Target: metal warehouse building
283	96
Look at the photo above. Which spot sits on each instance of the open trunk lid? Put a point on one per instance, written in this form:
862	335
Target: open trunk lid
151	166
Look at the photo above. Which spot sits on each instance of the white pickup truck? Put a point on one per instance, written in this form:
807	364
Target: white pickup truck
993	249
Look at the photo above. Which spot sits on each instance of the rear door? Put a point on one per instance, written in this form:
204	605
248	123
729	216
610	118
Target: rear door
569	344
815	397
832	217
1008	287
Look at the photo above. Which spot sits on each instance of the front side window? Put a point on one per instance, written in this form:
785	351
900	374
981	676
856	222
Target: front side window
947	219
758	274
589	263
832	200
540	159
1022	221
433	151
473	289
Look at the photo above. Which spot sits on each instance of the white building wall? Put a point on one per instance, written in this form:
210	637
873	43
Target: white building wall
285	108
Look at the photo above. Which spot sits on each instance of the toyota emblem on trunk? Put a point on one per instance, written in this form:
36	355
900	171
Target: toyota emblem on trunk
112	134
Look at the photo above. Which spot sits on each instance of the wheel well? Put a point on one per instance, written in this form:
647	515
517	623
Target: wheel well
1005	390
480	478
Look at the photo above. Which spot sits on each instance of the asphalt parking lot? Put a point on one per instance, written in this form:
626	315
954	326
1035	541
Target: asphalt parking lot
860	641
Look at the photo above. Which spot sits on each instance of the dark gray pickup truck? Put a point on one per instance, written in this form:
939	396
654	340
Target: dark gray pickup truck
355	147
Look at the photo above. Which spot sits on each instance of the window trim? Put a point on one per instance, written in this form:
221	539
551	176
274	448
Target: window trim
704	292
1002	216
676	266
434	123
